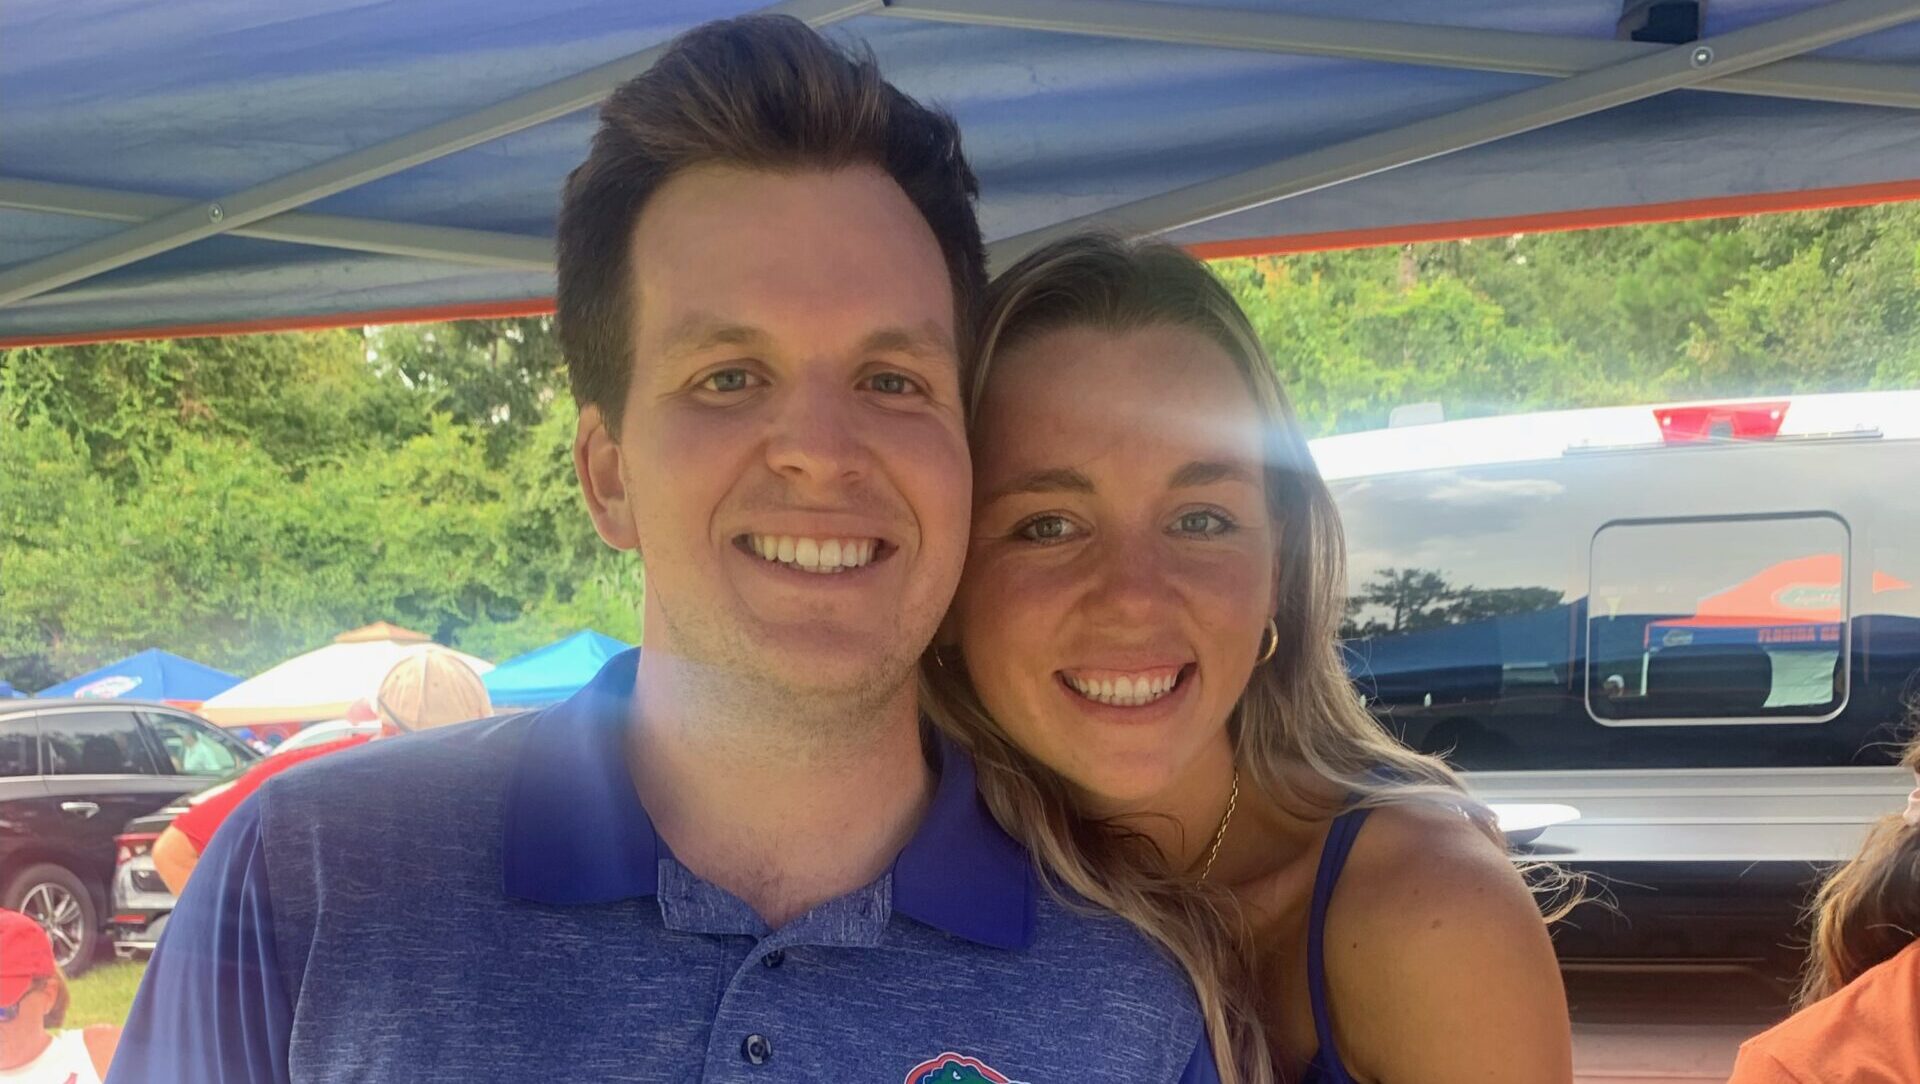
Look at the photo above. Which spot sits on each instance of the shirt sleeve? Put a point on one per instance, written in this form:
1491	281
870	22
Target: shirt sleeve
1200	1068
201	822
212	1008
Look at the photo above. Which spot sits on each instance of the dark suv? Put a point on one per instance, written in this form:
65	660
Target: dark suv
72	774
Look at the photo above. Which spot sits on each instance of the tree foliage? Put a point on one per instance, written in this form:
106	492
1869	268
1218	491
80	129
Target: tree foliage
1819	301
241	500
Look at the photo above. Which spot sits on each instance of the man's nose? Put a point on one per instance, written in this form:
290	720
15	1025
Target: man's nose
814	433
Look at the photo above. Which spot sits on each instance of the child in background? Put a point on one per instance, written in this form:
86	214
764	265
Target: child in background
1859	1018
33	1000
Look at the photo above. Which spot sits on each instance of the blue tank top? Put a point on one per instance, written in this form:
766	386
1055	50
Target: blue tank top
1326	1066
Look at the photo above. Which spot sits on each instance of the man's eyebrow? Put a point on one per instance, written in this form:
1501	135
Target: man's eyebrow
1051	480
1208	471
700	332
929	341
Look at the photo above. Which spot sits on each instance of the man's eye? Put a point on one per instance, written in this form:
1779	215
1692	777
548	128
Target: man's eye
1048	529
1203	523
892	384
729	380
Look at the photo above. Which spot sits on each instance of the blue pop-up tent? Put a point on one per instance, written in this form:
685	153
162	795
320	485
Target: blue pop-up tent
151	675
8	692
203	165
552	673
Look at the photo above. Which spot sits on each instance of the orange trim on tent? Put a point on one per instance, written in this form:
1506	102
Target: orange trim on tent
1811	199
469	310
1762	203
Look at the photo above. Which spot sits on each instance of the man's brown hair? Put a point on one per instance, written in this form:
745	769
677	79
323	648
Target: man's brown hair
763	93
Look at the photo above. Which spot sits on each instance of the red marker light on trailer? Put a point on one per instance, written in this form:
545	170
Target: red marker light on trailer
1721	421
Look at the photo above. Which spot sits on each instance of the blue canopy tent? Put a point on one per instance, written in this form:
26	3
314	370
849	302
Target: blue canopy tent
203	166
153	674
8	692
552	673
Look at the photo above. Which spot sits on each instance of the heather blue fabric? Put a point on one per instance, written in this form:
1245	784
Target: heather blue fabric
491	902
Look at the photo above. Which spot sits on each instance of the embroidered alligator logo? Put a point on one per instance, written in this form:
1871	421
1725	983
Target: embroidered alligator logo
951	1068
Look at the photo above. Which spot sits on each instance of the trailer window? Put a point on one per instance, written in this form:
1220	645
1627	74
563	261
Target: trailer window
1740	618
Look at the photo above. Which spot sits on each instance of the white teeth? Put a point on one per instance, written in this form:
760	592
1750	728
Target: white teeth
1125	692
814	554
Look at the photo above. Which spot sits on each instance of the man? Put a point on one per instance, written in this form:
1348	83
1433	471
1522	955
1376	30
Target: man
733	854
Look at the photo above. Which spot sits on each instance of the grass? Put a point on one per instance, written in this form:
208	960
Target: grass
103	995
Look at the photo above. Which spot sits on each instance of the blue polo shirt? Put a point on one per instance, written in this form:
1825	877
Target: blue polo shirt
491	902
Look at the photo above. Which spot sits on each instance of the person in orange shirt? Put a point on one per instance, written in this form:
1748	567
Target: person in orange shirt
1859	1018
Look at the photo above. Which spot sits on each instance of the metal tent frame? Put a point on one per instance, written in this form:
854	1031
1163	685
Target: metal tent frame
1591	75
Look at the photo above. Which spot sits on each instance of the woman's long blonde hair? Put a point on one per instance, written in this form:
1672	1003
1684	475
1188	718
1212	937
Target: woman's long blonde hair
1869	909
1299	711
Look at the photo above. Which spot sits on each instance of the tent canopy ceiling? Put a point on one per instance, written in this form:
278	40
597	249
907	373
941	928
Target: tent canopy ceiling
218	165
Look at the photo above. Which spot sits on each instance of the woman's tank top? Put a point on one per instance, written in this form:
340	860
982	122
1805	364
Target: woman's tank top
66	1060
1326	1066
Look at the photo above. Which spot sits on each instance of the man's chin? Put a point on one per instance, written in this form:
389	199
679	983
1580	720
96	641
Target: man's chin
832	662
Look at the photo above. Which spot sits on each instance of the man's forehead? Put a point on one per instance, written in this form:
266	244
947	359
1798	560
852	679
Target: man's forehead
725	254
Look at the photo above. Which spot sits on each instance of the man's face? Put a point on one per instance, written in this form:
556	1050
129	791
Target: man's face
792	460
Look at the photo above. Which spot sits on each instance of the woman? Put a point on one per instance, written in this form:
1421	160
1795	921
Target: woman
1859	1018
428	688
1142	658
33	1002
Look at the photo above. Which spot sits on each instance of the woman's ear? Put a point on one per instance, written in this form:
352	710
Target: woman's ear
596	460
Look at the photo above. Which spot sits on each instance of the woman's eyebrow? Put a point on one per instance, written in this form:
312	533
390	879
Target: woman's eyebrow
1205	472
1050	480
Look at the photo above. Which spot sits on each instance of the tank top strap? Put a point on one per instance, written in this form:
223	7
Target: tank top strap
1333	858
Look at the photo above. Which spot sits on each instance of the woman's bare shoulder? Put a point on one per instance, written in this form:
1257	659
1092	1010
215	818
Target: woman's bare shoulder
1436	952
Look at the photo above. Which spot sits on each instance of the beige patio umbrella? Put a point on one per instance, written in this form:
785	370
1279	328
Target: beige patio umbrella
322	684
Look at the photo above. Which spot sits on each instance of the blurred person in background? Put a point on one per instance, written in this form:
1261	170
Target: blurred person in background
1859	1018
428	689
201	757
33	1002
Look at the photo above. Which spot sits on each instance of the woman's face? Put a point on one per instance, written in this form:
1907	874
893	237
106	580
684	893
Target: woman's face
1122	568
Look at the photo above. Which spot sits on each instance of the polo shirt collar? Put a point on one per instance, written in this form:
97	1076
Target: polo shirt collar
575	832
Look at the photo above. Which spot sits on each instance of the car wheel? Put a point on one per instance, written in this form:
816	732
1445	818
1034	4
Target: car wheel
52	896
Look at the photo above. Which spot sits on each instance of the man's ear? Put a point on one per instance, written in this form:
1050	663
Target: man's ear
596	460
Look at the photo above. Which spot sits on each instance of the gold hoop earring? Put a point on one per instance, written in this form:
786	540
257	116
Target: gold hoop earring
1273	643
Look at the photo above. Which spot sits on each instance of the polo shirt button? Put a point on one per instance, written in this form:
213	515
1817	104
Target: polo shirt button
774	958
756	1049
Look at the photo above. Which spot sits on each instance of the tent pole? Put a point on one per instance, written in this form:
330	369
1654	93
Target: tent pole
479	248
1669	69
303	186
1471	48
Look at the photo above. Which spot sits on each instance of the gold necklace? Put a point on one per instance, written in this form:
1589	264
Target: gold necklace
1220	834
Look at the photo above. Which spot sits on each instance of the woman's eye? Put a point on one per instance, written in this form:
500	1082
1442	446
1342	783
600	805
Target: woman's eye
892	383
1048	529
1203	523
728	380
